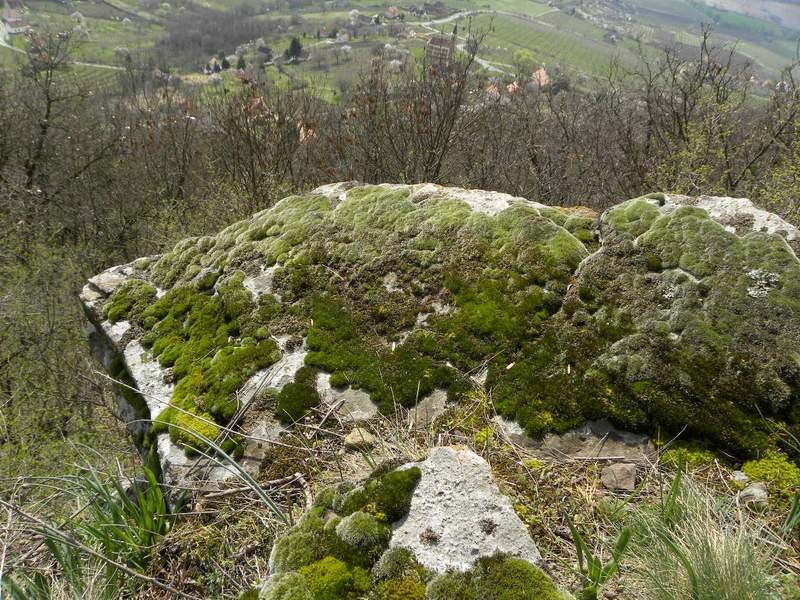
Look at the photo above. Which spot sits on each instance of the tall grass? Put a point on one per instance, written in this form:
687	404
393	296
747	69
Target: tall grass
111	542
695	545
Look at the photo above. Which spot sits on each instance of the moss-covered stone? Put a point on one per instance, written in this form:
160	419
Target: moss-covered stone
129	300
673	322
340	549
671	326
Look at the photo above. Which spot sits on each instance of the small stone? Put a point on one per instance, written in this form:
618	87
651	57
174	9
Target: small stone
430	408
107	281
755	493
360	439
90	294
619	476
739	477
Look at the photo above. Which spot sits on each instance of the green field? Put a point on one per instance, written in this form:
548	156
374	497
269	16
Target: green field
550	45
529	8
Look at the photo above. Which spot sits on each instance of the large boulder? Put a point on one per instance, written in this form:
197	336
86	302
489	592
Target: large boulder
665	313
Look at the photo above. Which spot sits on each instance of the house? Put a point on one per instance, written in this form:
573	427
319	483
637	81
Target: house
439	50
392	13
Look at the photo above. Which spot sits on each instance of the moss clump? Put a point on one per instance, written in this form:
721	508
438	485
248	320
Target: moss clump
387	497
634	217
400	589
286	586
129	300
307	543
362	531
495	578
333	549
332	579
780	474
188	426
451	586
687	456
395	563
296	399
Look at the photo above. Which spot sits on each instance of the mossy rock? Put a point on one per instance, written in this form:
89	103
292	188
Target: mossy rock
673	322
340	549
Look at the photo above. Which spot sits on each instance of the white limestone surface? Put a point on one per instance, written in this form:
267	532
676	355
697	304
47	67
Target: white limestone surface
458	515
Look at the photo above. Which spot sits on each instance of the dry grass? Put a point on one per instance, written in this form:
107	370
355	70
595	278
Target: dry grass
221	547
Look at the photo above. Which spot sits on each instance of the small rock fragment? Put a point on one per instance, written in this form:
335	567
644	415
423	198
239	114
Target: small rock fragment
739	477
619	476
755	493
360	439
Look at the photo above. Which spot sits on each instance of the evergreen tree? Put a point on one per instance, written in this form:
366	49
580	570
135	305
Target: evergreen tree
295	49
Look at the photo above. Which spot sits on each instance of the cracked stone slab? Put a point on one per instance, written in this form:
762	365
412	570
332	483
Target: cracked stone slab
595	439
458	515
